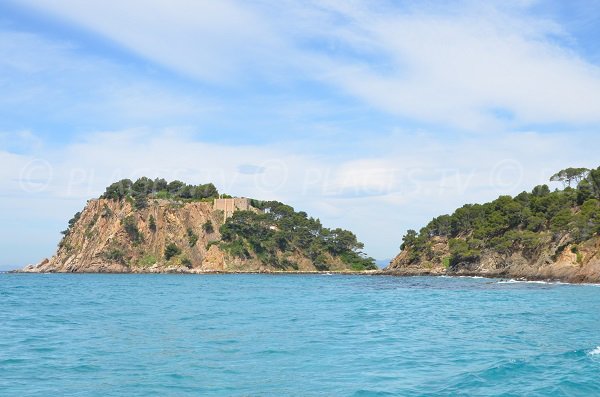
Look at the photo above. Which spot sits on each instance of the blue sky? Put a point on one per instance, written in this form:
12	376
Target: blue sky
373	116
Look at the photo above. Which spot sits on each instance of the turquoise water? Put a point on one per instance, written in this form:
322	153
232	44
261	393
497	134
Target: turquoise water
292	335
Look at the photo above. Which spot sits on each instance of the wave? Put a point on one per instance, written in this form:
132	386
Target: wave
595	352
512	280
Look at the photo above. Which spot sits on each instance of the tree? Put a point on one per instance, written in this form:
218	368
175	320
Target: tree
340	240
118	190
594	180
570	175
175	186
409	239
185	192
72	223
441	226
205	191
160	185
140	200
143	185
540	191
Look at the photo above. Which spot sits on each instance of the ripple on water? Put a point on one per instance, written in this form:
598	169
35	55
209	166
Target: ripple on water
137	335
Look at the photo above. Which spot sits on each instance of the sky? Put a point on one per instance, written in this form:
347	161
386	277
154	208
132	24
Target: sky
371	116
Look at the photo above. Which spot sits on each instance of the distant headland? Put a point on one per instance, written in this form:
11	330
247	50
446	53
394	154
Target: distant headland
155	226
540	234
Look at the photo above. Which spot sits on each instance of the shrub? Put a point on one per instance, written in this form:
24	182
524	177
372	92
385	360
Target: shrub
115	255
208	227
186	262
171	250
147	260
192	237
461	252
72	223
106	212
358	262
152	223
446	262
130	225
211	243
237	249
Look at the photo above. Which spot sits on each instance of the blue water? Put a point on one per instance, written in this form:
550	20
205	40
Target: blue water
292	335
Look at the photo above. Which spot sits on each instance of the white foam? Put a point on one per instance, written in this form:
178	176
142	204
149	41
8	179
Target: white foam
509	281
512	280
595	352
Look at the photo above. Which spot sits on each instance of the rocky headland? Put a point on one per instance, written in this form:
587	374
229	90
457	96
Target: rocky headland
152	226
537	235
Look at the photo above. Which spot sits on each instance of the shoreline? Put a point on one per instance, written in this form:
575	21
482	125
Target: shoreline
508	278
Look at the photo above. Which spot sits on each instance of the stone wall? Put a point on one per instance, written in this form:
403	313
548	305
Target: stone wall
230	205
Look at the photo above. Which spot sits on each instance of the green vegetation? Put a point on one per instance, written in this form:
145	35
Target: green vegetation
570	175
192	237
72	223
147	260
88	229
186	262
277	236
106	212
522	222
171	250
115	255
152	223
140	201
446	262
144	188
208	227
281	230
130	226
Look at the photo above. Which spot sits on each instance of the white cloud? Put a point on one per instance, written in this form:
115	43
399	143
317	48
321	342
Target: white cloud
470	66
59	82
199	38
460	68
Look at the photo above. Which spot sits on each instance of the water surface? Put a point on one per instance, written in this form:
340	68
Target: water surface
295	335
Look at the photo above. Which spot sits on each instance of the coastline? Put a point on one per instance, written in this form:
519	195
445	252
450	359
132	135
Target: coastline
382	272
192	271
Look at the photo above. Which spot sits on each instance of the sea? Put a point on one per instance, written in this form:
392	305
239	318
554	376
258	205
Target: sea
295	335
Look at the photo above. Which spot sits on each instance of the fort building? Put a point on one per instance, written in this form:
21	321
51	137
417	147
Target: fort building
230	205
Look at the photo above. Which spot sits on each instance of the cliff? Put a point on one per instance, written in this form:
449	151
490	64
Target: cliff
535	235
552	260
122	234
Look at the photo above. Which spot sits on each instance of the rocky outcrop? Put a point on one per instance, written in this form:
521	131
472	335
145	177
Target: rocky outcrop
559	260
112	236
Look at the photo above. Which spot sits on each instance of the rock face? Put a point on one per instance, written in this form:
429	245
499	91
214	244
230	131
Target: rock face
112	236
552	260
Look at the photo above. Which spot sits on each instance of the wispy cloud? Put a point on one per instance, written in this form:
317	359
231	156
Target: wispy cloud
469	66
51	82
